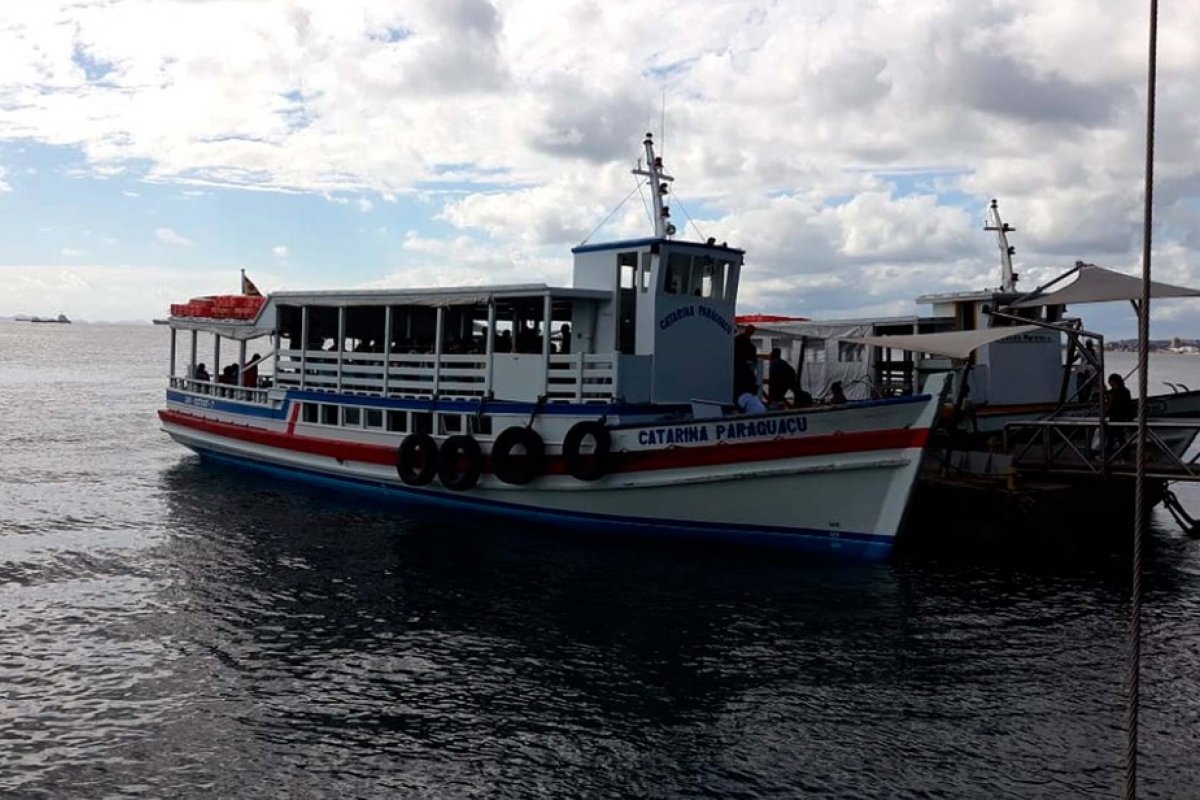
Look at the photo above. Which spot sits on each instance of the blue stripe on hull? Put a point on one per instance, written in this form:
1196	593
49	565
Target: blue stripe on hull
863	546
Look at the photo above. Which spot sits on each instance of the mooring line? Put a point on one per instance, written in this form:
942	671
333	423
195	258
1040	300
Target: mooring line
1140	511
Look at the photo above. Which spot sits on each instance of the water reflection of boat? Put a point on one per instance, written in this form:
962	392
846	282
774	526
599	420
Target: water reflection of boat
606	405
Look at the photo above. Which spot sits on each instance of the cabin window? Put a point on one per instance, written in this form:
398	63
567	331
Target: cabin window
374	418
849	352
310	412
397	421
647	260
814	351
627	265
451	423
422	422
329	414
352	417
479	424
677	273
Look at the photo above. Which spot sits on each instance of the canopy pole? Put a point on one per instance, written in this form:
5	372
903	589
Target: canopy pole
1140	510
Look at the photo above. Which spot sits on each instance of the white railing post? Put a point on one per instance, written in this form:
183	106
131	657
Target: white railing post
171	369
489	348
546	310
192	367
341	344
278	341
579	377
387	347
215	373
303	347
241	370
437	349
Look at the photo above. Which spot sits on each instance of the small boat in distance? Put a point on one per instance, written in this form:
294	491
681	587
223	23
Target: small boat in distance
607	405
60	319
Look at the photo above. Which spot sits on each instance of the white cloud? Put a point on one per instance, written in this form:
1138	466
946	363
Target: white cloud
839	143
4	187
71	252
168	236
279	251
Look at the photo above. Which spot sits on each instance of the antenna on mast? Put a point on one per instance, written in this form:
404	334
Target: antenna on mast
660	186
1008	278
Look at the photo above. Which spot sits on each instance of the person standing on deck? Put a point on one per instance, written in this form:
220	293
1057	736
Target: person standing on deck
781	378
745	361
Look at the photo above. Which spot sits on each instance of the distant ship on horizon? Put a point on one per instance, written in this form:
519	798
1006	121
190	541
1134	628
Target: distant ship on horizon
61	318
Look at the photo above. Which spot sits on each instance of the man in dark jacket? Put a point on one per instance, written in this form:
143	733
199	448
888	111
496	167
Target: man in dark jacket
781	378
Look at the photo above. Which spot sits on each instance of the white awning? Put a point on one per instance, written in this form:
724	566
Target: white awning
1099	285
952	344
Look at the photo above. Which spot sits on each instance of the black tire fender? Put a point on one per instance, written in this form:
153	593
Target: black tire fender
591	466
453	452
416	459
516	469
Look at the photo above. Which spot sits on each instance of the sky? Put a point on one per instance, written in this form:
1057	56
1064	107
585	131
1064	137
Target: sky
151	149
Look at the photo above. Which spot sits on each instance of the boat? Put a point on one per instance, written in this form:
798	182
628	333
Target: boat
605	406
1020	355
1026	436
60	319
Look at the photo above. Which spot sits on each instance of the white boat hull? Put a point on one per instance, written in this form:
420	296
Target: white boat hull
836	480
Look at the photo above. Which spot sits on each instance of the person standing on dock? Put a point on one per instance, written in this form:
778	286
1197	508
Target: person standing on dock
1119	407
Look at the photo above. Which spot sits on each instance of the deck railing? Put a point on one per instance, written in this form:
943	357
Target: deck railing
224	391
570	377
1077	445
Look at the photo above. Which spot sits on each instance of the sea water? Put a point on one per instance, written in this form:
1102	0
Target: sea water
170	629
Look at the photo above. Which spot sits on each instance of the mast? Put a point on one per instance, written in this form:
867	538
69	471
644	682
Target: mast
1008	278
660	185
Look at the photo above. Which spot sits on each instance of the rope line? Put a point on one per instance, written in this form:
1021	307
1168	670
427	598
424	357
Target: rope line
610	214
682	208
1140	511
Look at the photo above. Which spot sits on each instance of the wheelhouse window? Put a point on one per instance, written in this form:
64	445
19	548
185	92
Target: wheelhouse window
329	414
352	417
849	352
627	264
374	418
310	412
397	421
697	275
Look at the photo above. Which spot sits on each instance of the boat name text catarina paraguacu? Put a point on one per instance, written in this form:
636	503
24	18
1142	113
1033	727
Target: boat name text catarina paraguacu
695	311
691	434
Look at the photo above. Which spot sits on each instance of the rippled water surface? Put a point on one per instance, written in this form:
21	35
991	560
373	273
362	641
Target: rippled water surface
171	629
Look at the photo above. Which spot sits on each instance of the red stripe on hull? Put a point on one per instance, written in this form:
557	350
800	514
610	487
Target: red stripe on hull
669	458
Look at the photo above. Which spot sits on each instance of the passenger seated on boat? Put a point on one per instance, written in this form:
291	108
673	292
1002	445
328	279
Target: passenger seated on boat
564	333
836	396
229	374
803	398
504	342
781	378
750	403
201	373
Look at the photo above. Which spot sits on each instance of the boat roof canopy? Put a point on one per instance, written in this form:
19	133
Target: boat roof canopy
1099	285
951	344
443	296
